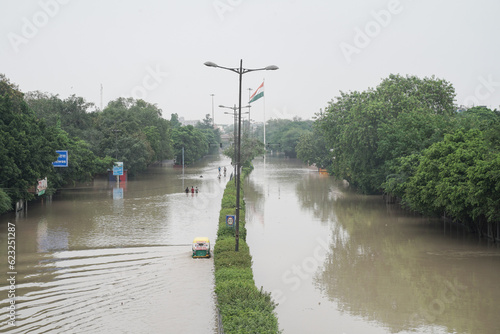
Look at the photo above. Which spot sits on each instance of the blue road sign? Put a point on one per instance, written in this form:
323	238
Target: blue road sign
62	159
117	170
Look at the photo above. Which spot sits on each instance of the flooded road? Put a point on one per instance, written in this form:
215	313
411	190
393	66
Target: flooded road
103	259
340	262
107	259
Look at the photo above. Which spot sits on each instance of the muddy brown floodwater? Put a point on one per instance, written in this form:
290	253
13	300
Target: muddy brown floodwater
340	262
108	259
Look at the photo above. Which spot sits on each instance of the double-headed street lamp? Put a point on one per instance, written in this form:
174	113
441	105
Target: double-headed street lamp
240	72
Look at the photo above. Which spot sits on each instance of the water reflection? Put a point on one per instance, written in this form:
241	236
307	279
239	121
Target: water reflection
50	239
319	200
116	258
395	270
384	270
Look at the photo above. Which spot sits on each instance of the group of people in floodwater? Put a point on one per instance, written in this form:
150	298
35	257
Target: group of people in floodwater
225	170
195	189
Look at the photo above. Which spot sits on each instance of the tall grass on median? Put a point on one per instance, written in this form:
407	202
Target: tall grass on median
243	307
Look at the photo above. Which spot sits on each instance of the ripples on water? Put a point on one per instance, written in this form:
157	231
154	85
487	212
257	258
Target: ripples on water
108	259
123	290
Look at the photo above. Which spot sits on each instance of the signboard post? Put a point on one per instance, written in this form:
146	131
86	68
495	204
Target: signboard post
118	170
62	159
230	221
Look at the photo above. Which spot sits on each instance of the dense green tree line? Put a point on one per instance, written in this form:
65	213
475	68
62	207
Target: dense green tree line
27	150
313	149
283	134
34	125
407	139
367	131
127	130
250	148
27	146
197	141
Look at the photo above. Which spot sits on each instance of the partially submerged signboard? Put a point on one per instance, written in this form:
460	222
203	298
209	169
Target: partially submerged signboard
118	168
41	187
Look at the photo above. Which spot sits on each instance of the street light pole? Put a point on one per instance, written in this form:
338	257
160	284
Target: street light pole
240	72
213	117
238	167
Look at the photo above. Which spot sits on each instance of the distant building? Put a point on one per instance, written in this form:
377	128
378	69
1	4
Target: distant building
185	122
226	137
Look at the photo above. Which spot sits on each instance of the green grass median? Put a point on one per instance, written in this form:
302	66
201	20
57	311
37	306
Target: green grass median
243	307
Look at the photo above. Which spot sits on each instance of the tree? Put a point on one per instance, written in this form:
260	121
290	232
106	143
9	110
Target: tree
32	127
458	176
481	118
206	123
484	189
212	135
312	149
250	148
174	121
350	127
407	135
134	132
72	114
284	134
83	163
5	202
369	131
26	146
193	141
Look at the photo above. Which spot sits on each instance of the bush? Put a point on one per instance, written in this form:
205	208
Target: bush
249	321
246	169
224	231
235	274
246	309
229	201
243	307
226	257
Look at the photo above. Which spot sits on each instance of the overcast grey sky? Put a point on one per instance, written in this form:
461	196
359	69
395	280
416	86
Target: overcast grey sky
155	50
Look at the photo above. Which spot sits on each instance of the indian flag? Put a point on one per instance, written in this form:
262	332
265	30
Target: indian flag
257	94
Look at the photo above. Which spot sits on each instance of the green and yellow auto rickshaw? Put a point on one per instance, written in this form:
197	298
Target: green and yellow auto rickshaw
201	247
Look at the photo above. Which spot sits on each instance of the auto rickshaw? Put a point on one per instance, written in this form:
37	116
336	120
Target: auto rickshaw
201	247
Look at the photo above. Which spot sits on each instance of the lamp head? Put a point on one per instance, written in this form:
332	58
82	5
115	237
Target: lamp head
210	64
270	67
